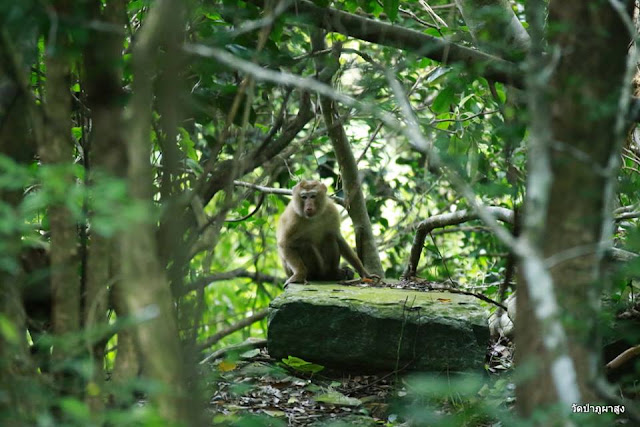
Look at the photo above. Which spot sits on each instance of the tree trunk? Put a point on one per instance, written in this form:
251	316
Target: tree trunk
583	94
57	150
18	142
354	199
107	154
144	284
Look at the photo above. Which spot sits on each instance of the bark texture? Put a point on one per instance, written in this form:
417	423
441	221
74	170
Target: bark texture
144	283
56	149
106	158
583	94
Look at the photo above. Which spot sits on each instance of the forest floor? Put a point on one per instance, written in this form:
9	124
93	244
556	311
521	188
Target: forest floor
256	390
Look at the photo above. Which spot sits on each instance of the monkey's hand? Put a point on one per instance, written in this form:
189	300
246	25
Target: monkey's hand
371	278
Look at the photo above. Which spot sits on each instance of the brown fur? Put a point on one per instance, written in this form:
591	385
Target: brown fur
309	240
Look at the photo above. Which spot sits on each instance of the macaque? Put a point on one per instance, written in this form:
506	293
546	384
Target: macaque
309	238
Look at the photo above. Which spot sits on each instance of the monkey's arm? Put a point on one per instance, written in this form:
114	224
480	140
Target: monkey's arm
292	260
348	254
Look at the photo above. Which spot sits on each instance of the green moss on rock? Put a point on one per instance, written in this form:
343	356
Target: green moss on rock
378	328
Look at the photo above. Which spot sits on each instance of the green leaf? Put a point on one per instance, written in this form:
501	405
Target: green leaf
435	75
75	409
187	145
445	122
351	5
391	9
77	133
472	161
8	330
443	101
464	101
336	398
302	365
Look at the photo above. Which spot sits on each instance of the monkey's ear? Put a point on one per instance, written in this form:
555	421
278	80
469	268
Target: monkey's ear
324	187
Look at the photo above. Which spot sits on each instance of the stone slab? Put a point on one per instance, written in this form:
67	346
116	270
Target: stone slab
378	328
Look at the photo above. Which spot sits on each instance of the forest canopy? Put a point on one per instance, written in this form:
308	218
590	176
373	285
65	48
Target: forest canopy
149	147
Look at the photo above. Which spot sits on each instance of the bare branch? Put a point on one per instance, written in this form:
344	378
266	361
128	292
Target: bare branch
219	176
249	343
414	42
280	191
444	220
263	189
228	275
623	358
233	328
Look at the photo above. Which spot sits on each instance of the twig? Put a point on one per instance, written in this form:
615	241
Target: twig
446	288
249	343
233	328
228	275
250	214
462	120
263	189
627	215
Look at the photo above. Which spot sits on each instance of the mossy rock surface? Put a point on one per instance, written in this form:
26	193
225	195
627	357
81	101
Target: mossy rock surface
378	328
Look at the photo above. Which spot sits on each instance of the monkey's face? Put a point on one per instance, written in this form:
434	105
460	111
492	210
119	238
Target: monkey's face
309	204
310	197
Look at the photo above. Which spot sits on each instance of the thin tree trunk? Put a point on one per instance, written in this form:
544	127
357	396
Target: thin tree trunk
103	85
354	199
57	149
144	283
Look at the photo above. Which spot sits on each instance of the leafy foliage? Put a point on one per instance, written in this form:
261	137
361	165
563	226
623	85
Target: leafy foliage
221	118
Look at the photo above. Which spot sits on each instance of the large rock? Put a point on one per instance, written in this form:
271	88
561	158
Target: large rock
378	328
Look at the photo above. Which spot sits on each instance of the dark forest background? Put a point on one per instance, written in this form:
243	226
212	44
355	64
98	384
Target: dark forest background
148	147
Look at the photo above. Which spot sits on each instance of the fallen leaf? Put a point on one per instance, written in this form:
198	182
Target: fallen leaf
226	366
336	398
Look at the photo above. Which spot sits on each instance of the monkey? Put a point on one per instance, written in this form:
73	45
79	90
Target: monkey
309	240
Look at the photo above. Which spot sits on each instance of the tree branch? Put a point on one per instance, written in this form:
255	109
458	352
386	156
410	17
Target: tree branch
443	220
220	174
415	42
263	189
623	358
243	346
495	27
280	191
488	66
228	275
233	328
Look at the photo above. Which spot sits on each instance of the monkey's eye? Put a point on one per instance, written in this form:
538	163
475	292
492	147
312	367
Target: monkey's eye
303	197
313	196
